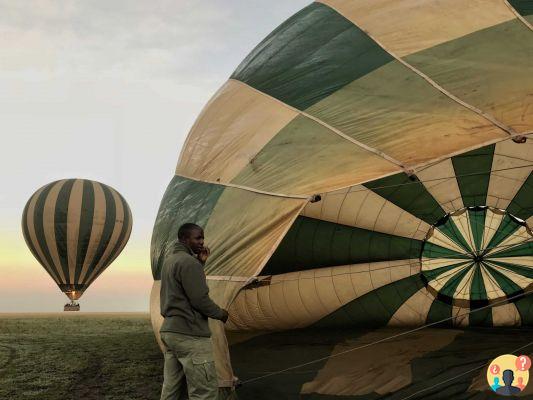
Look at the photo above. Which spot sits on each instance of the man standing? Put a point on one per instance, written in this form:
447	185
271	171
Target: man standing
185	306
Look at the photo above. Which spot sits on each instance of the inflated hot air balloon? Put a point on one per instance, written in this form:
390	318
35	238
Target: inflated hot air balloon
75	228
369	164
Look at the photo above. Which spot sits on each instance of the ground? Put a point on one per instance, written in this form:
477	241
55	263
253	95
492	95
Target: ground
115	357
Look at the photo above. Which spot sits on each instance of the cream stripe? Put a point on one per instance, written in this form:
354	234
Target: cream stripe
439	282
124	240
518	15
49	227
442	240
98	223
511	166
361	207
33	237
476	110
330	128
463	224
462	291
505	315
525	261
439	180
491	227
520	280
73	226
430	264
414	310
492	288
521	236
113	240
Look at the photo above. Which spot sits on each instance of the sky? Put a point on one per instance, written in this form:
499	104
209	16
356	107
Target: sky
108	90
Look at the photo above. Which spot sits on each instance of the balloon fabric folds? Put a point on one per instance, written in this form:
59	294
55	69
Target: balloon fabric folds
75	228
413	121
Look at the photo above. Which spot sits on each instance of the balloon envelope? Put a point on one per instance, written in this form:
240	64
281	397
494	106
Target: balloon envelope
75	228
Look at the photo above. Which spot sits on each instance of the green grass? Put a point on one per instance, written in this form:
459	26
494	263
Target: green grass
80	356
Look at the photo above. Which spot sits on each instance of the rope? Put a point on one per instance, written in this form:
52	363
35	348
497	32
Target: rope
381	340
458	376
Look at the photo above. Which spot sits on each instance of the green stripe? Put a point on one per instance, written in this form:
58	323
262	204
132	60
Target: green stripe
29	242
310	56
449	228
518	269
432	274
39	228
109	225
376	308
313	243
521	206
482	315
450	287
472	171
431	250
61	227
120	241
507	285
524	305
522	250
506	228
440	312
185	200
476	68
523	7
477	225
409	194
86	226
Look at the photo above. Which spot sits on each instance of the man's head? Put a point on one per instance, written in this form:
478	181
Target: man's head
192	235
496	380
508	377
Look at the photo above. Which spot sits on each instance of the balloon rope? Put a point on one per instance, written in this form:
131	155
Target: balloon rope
382	340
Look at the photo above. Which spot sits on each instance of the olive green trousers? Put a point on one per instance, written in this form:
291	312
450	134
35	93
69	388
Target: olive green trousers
189	371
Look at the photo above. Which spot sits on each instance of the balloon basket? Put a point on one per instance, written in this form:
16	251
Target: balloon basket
72	306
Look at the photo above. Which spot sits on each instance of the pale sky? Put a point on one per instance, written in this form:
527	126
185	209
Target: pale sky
108	90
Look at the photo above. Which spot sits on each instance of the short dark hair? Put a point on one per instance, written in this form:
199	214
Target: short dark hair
185	230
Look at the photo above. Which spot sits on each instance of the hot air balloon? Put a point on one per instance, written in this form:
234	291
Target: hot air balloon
368	164
75	228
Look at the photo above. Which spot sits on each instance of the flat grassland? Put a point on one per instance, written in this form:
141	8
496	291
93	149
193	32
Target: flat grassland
79	356
111	356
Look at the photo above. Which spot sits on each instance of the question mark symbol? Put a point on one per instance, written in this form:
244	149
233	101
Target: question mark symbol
495	369
523	363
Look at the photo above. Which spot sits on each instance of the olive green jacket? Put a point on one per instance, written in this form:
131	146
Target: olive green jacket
185	301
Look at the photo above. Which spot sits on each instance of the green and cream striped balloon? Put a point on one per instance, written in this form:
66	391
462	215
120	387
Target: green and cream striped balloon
75	228
413	121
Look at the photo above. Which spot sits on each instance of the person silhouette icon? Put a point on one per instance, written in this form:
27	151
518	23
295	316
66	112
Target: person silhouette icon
496	383
520	383
508	389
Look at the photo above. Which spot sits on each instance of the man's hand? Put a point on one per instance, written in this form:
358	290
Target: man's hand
204	254
226	316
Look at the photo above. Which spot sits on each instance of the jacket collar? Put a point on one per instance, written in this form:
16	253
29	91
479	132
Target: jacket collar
182	247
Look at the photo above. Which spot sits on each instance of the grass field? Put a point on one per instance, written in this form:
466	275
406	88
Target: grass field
79	356
71	356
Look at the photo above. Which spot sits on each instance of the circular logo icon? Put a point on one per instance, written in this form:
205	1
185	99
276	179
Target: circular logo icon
508	375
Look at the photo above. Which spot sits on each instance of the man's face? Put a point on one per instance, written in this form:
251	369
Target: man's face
195	240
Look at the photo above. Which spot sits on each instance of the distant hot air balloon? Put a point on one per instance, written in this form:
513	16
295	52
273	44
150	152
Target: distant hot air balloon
75	228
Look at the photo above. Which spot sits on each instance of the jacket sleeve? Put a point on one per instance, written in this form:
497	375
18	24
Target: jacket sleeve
195	286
